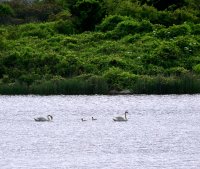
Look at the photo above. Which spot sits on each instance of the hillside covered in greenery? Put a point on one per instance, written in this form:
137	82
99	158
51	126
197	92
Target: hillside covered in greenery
99	46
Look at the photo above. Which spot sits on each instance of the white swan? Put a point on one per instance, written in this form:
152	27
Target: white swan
42	119
120	118
93	118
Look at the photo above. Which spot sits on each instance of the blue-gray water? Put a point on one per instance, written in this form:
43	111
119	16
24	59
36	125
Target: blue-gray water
163	132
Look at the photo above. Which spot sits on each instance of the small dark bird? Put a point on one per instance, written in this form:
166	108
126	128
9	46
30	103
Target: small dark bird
83	119
93	118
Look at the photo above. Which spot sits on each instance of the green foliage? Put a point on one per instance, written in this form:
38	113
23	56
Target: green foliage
65	27
87	13
6	10
110	22
118	79
129	27
154	70
173	31
182	15
166	55
97	85
42	30
195	29
170	85
177	71
188	47
162	5
125	28
138	48
56	85
5	79
145	26
196	68
13	88
28	79
2	44
63	15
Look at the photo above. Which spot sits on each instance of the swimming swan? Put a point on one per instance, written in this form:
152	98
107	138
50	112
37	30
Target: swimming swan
83	119
42	119
120	118
93	118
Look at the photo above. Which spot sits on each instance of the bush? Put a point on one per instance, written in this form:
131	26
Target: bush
118	79
173	31
87	14
154	70
63	15
6	10
65	27
188	45
185	15
145	26
110	22
129	27
166	55
2	44
195	29
124	28
176	71
162	5
98	85
196	68
42	30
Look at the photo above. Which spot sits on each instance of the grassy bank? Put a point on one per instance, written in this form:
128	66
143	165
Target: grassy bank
143	85
130	48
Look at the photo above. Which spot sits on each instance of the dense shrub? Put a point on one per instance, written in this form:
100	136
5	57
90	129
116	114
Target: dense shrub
110	22
87	14
65	27
188	46
196	68
183	15
2	44
49	57
195	29
124	28
145	26
6	10
42	30
118	79
173	31
162	5
176	71
166	55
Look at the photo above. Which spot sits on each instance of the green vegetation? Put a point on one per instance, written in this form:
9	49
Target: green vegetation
98	46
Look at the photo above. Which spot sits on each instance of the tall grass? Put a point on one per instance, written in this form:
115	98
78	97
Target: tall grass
56	87
186	84
14	89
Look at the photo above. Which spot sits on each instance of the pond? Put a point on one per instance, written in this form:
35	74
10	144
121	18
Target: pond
162	132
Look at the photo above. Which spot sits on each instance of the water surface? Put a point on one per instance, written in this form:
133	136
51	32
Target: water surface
163	132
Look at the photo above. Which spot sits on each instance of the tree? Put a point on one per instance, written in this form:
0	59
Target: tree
87	14
6	10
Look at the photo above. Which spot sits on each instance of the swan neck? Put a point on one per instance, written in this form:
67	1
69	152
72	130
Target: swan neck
125	116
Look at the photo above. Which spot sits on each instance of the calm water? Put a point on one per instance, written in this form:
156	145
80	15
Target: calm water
163	132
